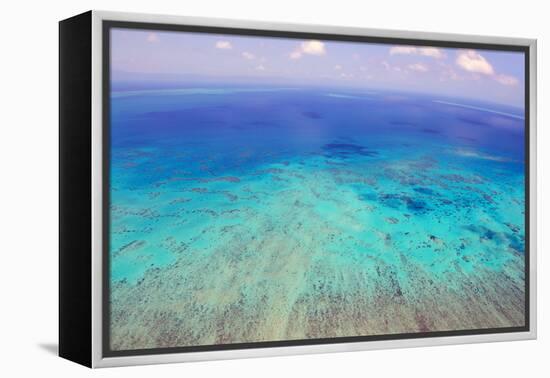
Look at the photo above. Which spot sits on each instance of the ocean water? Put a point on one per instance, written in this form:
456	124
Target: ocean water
265	214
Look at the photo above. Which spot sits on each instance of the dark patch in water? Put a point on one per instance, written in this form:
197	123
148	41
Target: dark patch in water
514	228
395	201
312	115
434	238
179	200
371	197
485	234
344	150
402	123
516	242
130	247
415	205
220	179
391	200
427	191
474	121
488	198
430	131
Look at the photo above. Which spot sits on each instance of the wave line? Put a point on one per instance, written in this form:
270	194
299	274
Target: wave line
479	108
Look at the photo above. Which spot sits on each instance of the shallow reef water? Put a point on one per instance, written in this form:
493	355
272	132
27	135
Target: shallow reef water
264	215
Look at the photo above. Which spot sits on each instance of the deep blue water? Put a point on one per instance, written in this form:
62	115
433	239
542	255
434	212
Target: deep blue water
269	125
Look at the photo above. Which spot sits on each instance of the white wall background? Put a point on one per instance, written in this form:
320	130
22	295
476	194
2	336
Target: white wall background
28	188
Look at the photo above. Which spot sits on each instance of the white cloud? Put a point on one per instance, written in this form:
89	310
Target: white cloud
419	67
248	55
224	45
312	47
432	52
506	79
260	67
472	61
337	67
396	50
152	37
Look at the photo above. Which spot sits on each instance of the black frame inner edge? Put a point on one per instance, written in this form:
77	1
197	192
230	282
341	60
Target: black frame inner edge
107	25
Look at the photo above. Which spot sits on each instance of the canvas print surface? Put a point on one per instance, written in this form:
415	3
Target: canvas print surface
269	189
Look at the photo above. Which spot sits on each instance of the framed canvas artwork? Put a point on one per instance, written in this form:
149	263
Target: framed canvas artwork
235	189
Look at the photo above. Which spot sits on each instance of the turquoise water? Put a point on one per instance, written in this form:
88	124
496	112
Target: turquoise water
264	214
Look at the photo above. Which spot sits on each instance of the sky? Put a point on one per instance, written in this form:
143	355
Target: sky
184	57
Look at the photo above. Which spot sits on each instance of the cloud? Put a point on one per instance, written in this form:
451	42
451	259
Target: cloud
312	47
152	38
472	61
432	52
260	67
224	45
418	67
337	67
506	79
248	55
403	50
